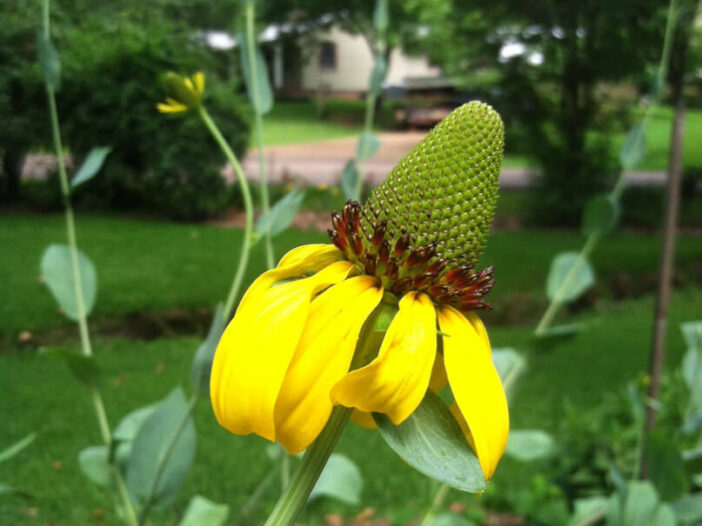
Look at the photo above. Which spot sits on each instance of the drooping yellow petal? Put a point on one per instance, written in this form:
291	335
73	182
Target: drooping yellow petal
438	374
312	257
476	387
365	420
323	356
199	81
257	346
479	327
171	107
395	382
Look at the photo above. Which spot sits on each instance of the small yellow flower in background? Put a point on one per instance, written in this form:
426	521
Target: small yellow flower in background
187	93
295	348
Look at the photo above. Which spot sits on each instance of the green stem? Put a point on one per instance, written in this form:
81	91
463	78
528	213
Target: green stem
258	125
83	330
436	503
165	457
248	205
294	498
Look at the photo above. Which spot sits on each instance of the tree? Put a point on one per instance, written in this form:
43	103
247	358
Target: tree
547	60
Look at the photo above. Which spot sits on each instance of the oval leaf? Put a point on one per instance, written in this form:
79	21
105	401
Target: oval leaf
510	365
641	503
129	426
202	361
349	179
569	276
529	444
204	512
634	148
49	61
151	448
601	215
281	214
587	508
689	508
368	144
91	165
558	332
431	441
94	462
257	84
83	367
57	271
340	480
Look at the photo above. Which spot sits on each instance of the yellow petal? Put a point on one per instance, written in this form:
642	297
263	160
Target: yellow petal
396	381
476	387
323	356
171	108
313	257
257	346
477	324
362	419
189	86
438	374
199	81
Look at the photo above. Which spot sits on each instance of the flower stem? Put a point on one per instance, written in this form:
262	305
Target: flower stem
83	330
294	498
367	129
248	205
258	126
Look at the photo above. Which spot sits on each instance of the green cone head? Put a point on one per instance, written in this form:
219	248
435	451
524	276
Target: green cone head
444	191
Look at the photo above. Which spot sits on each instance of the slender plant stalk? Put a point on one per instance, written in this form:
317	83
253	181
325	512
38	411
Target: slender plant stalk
165	457
258	125
367	130
594	238
248	205
439	499
86	345
294	498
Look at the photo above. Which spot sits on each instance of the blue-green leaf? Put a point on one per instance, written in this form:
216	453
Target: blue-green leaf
341	480
202	361
586	508
601	214
349	178
510	365
204	512
83	367
58	274
94	461
381	16
640	505
529	444
151	447
281	214
129	426
49	61
257	84
634	147
15	448
665	466
451	519
689	508
368	144
561	331
431	441
569	276
91	165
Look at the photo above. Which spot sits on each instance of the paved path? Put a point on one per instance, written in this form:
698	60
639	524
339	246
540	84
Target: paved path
322	162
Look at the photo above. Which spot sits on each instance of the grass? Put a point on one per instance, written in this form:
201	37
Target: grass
149	265
297	122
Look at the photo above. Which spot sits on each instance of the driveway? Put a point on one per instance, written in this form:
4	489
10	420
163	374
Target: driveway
322	162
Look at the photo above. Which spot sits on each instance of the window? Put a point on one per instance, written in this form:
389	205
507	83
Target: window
327	56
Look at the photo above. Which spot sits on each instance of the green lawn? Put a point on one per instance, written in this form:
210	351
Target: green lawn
151	266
